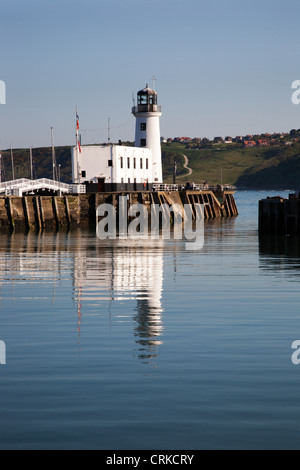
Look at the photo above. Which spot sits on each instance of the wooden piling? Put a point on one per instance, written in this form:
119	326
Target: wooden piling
26	212
67	210
37	213
10	212
55	211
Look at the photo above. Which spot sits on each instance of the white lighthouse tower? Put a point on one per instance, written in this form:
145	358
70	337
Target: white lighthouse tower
147	128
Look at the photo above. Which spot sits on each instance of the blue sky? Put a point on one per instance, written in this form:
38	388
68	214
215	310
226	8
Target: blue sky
222	68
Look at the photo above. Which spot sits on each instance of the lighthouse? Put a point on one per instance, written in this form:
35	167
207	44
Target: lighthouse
117	167
147	128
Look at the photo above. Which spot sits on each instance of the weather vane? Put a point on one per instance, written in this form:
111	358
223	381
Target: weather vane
153	82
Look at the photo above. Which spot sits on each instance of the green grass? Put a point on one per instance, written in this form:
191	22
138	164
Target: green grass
258	167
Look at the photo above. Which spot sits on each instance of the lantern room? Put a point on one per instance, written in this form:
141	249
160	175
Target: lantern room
147	100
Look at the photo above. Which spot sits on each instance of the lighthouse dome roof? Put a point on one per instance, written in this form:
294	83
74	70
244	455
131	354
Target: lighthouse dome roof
147	91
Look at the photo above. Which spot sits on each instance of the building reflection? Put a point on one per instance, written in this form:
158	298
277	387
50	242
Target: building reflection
124	271
104	275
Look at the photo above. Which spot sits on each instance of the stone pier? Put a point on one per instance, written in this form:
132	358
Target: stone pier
55	212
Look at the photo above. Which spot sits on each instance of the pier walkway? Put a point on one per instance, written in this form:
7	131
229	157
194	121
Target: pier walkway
22	186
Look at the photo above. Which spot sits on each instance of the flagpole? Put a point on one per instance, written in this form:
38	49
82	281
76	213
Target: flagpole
31	167
77	146
12	163
53	156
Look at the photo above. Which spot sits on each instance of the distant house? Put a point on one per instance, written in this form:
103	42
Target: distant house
218	140
228	140
182	139
263	143
249	143
248	138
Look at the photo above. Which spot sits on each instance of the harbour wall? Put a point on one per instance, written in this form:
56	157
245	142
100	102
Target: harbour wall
279	216
55	212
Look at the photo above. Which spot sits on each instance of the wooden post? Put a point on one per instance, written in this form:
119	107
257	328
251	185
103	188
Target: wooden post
10	212
55	211
26	213
37	212
67	210
40	200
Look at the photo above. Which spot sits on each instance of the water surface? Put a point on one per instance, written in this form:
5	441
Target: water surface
147	345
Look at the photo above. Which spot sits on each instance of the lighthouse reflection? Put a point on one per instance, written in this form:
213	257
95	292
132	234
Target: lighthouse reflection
120	272
113	282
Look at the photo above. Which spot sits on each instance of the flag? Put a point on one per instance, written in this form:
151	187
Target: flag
77	122
79	146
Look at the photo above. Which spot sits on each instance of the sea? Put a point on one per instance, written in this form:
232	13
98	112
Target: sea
113	344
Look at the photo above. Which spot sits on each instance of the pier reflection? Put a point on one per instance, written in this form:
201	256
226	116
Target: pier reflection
120	280
279	252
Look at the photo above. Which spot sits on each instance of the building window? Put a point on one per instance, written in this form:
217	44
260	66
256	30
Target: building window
141	163
121	162
122	180
143	143
128	180
143	126
128	162
83	174
146	163
110	163
134	163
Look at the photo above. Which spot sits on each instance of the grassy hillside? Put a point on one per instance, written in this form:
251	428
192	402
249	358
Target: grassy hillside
42	163
257	168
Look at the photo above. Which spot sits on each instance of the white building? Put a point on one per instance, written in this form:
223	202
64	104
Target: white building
118	167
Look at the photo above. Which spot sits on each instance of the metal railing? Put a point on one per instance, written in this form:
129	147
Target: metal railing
24	185
165	187
193	187
146	108
77	188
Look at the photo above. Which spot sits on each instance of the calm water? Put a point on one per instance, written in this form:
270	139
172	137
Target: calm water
150	346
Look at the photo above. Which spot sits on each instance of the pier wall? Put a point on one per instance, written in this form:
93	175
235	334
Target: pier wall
279	216
55	212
